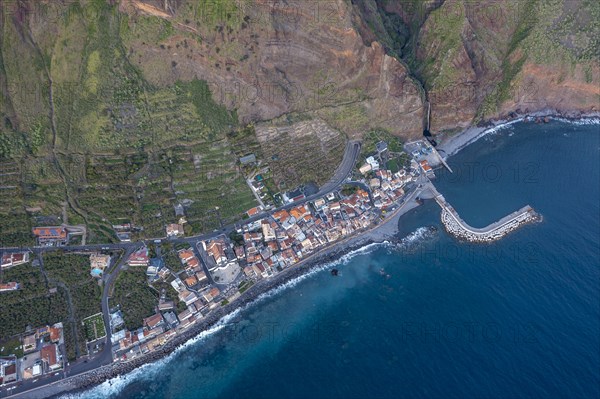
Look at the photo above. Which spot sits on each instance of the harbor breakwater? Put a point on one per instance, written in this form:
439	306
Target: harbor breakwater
454	224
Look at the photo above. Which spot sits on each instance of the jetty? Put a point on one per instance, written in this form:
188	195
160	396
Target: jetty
460	229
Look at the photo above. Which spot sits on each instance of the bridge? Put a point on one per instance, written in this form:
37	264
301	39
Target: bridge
460	229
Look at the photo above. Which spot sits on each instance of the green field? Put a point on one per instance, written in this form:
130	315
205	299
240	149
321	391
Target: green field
38	303
11	347
71	273
135	297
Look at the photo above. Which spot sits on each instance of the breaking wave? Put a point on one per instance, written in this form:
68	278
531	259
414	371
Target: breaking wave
149	371
414	239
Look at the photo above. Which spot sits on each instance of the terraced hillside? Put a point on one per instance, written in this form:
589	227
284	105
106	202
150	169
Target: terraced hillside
115	111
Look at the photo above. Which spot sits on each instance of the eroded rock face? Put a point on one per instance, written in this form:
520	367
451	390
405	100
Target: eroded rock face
482	59
272	58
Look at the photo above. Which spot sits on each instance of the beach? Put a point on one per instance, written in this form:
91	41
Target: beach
455	143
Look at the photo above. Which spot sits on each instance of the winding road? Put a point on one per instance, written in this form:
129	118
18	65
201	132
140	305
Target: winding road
104	357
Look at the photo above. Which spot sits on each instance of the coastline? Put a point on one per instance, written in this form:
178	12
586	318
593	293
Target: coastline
451	145
377	234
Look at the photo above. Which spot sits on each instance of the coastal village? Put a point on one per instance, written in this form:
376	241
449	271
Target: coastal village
219	270
212	272
203	275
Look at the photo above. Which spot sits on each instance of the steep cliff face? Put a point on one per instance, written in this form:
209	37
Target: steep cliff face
268	58
483	59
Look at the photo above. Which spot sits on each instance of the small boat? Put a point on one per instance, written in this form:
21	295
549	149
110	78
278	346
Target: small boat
334	272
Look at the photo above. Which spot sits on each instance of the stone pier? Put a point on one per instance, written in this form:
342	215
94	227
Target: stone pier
460	229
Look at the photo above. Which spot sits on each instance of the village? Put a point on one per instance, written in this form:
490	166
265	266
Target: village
218	270
213	272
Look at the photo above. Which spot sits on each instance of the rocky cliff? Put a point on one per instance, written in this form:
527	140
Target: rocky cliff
483	59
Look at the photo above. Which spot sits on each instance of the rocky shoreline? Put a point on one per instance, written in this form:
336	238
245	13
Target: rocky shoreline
449	146
92	378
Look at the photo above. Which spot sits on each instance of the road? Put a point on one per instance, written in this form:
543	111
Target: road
104	357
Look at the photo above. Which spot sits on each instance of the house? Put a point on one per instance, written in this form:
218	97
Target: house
186	314
366	168
249	272
139	258
191	281
254	211
425	167
174	230
320	203
281	215
50	357
171	319
98	263
193	263
217	251
12	286
29	343
239	252
56	333
164	273
8	370
156	264
187	297
179	211
268	231
154	321
185	255
373	162
200	276
14	259
51	236
165	305
374	183
250	158
210	294
382	148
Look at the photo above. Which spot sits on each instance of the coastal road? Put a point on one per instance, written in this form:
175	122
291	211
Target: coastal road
340	176
342	172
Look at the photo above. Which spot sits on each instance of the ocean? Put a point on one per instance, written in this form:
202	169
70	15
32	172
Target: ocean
430	317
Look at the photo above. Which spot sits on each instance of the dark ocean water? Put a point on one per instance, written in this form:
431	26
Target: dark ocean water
517	318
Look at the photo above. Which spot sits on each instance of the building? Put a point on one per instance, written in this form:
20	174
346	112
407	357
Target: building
366	168
171	319
8	370
174	230
12	286
268	231
154	267
165	305
382	149
98	263
139	258
154	321
14	259
373	162
425	167
217	251
248	159
50	357
185	255
254	211
51	236
56	333
29	343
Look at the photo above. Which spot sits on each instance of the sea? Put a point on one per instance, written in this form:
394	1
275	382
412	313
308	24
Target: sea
429	317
